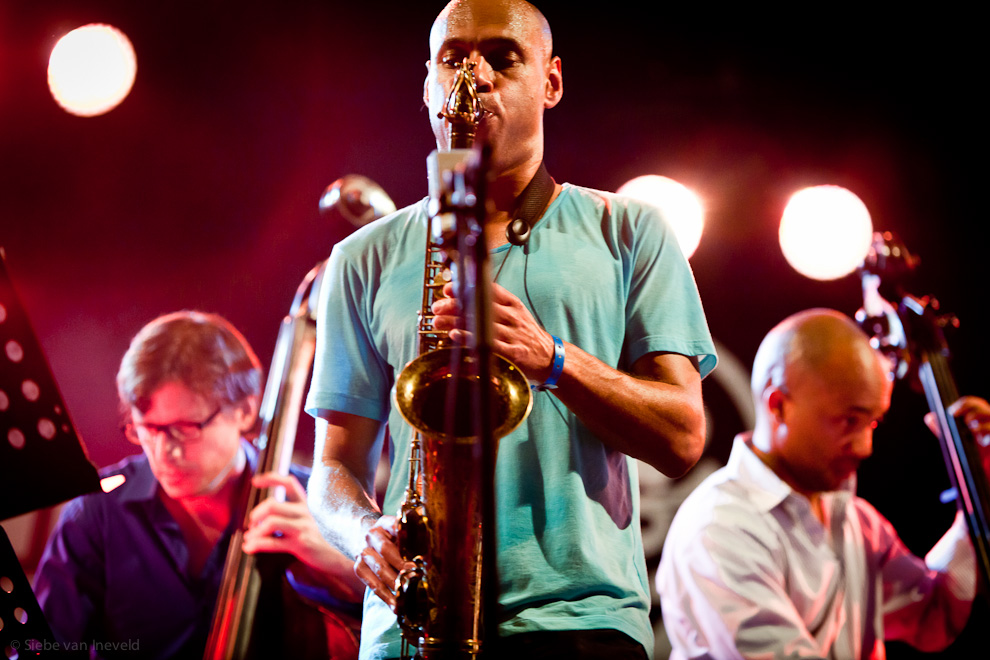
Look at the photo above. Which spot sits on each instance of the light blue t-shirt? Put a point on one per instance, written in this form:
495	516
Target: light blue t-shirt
600	271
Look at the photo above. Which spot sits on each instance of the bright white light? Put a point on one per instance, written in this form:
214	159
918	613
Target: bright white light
825	232
110	483
91	70
680	207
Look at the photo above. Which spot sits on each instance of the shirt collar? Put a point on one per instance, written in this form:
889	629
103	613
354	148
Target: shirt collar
765	489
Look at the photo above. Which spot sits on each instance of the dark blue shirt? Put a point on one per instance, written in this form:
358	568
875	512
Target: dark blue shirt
114	573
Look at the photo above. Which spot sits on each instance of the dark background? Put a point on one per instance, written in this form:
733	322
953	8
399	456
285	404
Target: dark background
201	189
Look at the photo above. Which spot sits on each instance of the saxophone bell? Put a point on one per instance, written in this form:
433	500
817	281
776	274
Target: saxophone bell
424	387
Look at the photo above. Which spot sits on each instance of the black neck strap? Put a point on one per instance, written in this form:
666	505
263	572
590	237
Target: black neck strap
535	197
532	202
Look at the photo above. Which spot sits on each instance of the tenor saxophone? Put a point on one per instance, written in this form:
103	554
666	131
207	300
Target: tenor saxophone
439	600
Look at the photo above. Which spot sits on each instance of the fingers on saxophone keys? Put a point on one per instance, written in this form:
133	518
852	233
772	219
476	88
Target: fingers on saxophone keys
376	574
384	545
460	336
447	314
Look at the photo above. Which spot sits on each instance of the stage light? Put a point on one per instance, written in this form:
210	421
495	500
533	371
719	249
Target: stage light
825	232
680	207
110	483
91	70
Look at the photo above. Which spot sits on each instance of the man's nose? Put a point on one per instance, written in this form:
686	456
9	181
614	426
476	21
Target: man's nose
165	447
484	74
862	445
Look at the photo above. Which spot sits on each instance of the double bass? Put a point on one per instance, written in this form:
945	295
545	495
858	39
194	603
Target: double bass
909	330
254	593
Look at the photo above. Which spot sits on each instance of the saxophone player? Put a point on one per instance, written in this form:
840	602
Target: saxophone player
597	307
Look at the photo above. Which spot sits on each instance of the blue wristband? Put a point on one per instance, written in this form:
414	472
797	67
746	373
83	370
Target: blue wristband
556	369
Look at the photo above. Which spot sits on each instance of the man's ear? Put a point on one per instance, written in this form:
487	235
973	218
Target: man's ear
554	83
426	84
773	400
248	413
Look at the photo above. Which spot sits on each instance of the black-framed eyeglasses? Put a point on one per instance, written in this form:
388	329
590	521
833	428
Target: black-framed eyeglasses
182	432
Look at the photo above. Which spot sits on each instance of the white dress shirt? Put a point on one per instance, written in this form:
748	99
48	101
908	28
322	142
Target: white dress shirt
748	571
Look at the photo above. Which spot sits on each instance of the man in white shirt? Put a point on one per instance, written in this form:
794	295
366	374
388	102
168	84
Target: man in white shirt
774	556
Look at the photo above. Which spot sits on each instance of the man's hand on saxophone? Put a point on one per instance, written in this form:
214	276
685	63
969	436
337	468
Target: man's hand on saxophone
379	563
659	399
516	335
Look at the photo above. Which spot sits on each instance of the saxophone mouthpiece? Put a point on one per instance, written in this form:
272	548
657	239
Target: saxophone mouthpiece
463	109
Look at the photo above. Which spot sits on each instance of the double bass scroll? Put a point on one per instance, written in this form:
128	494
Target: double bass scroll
910	332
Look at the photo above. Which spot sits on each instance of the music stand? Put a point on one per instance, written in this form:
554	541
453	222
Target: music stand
42	463
24	631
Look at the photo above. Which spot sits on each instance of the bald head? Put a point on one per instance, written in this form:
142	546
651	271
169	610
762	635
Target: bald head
812	343
517	79
519	15
820	389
